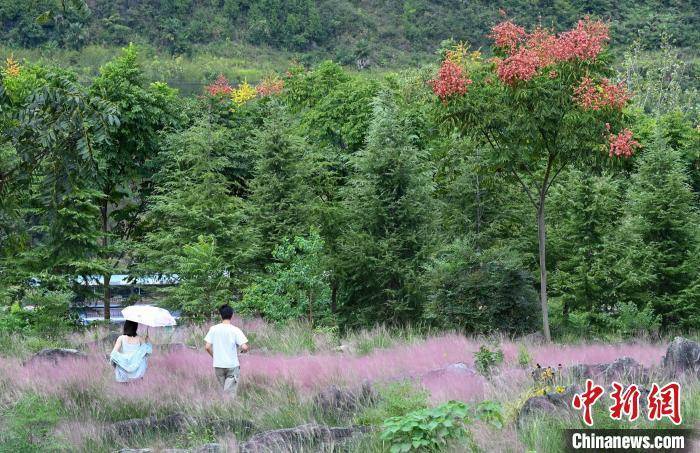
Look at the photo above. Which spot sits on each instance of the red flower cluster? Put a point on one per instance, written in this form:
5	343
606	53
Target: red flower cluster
522	65
449	81
269	86
220	87
584	42
527	53
622	144
593	96
507	34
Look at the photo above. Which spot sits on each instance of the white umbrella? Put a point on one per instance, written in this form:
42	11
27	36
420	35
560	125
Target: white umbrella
148	315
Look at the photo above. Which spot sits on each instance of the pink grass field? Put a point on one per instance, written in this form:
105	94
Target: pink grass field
185	376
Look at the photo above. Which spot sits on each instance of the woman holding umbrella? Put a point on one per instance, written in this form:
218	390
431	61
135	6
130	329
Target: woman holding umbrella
130	353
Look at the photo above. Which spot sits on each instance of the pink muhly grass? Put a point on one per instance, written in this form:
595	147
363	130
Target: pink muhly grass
646	354
454	386
185	378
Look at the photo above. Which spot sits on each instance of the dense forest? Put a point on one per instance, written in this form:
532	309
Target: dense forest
344	30
350	198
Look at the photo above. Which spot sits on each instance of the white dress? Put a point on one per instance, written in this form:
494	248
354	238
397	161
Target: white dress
123	376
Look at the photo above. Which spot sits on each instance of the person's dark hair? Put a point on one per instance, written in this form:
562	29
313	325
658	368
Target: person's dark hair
130	328
226	312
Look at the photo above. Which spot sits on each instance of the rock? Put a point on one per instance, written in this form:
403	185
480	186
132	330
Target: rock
333	399
344	348
554	404
209	448
138	426
682	356
56	354
624	370
458	368
295	439
222	426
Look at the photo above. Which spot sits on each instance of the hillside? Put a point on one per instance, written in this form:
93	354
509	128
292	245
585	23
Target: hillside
365	33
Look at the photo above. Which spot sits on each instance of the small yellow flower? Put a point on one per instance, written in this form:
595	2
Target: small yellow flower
458	53
243	93
12	68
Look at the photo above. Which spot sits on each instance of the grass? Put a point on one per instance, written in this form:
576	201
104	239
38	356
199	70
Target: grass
73	404
189	74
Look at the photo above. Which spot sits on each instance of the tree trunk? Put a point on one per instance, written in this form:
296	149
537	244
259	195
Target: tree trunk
106	277
334	297
542	237
311	312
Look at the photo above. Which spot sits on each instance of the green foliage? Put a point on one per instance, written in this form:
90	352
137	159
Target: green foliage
428	429
379	31
295	284
39	312
524	357
194	195
394	400
384	248
490	412
479	291
665	217
631	321
486	360
279	192
204	284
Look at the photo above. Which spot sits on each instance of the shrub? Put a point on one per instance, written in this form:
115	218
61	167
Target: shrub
631	321
486	360
524	357
481	292
428	429
41	311
579	322
295	285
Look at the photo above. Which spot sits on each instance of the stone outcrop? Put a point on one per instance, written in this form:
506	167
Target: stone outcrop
177	422
56	354
333	399
682	357
553	404
624	370
297	439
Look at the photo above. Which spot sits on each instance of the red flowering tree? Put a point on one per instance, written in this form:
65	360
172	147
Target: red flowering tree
543	102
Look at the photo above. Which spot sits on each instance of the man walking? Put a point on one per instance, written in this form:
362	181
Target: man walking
222	343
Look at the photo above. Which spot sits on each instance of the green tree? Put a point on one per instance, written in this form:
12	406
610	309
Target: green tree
279	190
586	208
203	282
537	108
663	213
390	215
124	165
295	284
195	204
52	128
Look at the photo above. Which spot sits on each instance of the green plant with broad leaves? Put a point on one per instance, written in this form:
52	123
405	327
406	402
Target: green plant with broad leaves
486	360
433	429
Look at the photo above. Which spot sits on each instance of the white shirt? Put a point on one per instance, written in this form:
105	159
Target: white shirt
225	340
